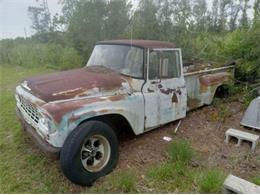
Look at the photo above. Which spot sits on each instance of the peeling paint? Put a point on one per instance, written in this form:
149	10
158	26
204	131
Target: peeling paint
68	92
167	91
214	79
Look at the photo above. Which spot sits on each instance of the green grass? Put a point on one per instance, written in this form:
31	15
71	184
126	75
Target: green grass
162	172
124	181
24	169
119	181
256	180
180	150
168	170
211	181
177	175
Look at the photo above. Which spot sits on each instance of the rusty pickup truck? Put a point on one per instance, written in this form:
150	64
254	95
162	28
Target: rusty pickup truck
136	85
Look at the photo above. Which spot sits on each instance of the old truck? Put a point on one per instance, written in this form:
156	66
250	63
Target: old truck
136	85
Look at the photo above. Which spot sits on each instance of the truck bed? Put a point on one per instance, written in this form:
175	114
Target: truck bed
202	81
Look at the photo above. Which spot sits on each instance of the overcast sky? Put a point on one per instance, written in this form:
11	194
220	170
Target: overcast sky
14	19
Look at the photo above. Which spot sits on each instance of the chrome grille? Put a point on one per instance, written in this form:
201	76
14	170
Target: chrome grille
29	109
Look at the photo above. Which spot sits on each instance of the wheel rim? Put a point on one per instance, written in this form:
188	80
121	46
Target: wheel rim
95	153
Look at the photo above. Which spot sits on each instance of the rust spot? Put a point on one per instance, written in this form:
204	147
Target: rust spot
203	88
104	111
210	80
174	98
116	98
69	84
214	79
77	117
58	110
69	92
193	103
167	91
74	118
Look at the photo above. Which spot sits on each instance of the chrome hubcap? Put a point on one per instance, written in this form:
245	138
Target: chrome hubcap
95	153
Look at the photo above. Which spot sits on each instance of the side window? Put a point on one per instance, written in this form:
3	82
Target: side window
171	62
164	64
154	65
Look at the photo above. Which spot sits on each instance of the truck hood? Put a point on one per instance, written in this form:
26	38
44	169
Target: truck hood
88	81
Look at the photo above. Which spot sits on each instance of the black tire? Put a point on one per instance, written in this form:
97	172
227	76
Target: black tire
70	156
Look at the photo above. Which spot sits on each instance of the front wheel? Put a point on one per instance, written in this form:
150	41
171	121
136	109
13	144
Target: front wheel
89	152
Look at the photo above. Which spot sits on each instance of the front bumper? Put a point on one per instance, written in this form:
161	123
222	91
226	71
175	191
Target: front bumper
42	144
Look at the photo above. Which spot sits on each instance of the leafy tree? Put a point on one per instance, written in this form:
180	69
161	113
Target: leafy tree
90	21
223	14
256	11
144	21
200	15
68	9
244	23
164	17
86	25
214	16
182	13
40	16
234	11
117	18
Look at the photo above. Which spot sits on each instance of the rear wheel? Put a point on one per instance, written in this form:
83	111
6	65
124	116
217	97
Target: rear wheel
89	152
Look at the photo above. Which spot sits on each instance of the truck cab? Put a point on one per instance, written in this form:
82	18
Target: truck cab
155	76
135	84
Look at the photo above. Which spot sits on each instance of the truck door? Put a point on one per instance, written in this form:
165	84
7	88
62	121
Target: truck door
164	92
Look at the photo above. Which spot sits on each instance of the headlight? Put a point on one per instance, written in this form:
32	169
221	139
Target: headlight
47	124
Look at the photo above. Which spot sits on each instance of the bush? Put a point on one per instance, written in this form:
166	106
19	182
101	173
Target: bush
211	181
28	53
180	151
243	45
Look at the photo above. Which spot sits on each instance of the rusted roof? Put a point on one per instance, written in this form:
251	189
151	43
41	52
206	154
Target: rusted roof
141	43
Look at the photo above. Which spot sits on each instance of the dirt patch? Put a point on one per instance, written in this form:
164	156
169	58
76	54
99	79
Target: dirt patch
206	134
146	149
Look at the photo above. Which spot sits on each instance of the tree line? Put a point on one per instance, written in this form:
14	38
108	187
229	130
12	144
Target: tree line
216	32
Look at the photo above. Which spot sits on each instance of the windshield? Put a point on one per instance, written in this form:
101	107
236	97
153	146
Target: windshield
127	60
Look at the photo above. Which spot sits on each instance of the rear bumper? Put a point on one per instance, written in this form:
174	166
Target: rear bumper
41	143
